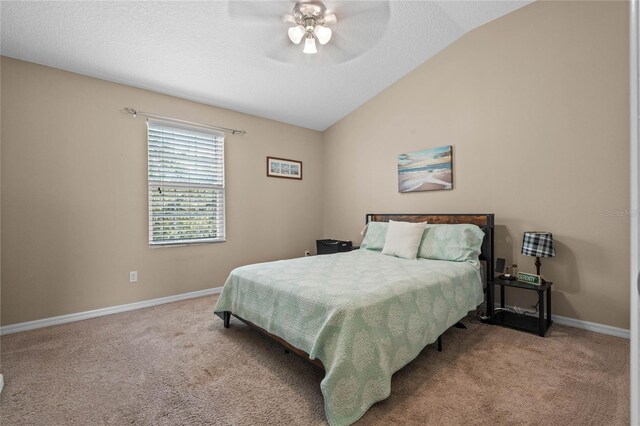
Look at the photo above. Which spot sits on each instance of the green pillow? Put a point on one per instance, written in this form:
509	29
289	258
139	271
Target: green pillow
458	243
375	236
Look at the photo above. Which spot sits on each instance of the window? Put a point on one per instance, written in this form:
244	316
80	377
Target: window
186	184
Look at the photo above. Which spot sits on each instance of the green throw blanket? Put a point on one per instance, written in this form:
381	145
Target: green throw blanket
363	314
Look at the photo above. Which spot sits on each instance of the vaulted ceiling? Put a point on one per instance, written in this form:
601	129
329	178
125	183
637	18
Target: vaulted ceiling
236	54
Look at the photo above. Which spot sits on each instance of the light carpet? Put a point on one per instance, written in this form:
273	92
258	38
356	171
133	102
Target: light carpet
175	364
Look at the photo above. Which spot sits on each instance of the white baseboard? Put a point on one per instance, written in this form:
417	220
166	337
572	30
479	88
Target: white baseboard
63	319
586	325
592	326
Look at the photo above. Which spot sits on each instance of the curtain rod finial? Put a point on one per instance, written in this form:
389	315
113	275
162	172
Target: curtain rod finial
130	110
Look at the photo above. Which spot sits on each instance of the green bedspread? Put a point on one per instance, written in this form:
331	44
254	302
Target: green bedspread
363	314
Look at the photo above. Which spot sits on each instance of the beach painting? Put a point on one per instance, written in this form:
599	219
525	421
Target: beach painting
426	170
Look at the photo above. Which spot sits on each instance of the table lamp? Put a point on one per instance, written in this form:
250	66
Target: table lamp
538	244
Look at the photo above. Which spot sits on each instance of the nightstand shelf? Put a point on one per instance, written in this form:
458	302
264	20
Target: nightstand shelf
538	324
513	320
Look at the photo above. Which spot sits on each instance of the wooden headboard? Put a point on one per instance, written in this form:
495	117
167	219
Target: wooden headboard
484	221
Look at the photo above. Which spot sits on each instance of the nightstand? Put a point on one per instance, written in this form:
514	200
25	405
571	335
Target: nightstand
333	246
520	321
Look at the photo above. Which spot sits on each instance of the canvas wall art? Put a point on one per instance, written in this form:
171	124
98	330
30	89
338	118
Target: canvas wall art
426	170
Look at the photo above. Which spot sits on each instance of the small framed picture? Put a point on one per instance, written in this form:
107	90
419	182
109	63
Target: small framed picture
283	168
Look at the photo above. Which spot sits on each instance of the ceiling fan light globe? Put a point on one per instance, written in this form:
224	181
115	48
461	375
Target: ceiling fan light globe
296	33
323	34
310	45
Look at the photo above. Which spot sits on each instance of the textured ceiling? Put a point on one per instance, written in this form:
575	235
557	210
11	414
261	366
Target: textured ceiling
236	55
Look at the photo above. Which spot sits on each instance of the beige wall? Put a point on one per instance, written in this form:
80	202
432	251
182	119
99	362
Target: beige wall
74	196
545	85
535	105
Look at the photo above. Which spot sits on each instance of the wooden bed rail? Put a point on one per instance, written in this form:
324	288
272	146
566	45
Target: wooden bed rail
226	317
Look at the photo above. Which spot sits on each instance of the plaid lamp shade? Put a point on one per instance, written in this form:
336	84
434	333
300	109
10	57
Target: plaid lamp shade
539	244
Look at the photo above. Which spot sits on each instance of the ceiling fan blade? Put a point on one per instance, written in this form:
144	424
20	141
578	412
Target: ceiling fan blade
259	12
375	11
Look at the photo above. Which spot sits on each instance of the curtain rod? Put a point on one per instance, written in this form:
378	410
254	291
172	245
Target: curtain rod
135	113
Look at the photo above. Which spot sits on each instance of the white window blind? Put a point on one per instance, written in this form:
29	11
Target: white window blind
186	184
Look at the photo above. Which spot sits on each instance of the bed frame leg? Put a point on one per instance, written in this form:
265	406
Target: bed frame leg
440	344
226	317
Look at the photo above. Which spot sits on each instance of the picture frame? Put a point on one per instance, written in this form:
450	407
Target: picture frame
284	168
429	169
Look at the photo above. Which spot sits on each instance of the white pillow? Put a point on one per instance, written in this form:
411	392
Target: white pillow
403	239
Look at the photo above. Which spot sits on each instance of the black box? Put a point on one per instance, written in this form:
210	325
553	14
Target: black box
332	246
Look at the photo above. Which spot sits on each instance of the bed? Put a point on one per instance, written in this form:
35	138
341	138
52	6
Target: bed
361	315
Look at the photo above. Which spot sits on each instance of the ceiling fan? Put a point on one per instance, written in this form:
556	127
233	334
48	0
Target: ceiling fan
311	21
352	27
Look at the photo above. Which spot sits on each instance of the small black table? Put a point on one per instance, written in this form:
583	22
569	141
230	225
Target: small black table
520	321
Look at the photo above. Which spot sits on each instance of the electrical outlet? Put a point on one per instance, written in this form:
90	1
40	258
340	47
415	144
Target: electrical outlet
307	253
133	276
